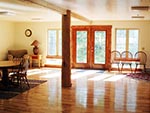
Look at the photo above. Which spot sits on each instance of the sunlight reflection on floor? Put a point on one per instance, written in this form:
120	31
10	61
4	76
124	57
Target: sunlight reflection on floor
100	77
77	74
115	78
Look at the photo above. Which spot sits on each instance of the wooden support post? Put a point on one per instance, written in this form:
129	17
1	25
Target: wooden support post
66	48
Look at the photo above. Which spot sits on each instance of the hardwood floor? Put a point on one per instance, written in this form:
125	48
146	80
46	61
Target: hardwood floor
92	91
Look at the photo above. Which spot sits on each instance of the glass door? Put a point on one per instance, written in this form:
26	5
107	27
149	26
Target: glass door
98	50
80	47
89	47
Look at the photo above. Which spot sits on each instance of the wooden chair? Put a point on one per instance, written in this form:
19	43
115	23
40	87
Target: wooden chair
126	59
142	60
115	59
21	74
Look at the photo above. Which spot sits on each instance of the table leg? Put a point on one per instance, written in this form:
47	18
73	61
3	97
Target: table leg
5	79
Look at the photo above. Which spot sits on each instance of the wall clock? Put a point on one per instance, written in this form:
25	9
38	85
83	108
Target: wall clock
28	32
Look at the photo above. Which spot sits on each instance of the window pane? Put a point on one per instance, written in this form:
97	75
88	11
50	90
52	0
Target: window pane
99	47
127	39
81	47
52	42
133	40
121	40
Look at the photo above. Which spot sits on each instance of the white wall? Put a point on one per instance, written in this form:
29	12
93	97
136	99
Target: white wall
6	38
16	32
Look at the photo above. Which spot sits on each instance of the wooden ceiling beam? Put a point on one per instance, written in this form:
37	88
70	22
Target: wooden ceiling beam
56	8
75	15
46	4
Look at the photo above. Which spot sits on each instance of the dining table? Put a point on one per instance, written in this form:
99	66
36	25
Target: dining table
4	66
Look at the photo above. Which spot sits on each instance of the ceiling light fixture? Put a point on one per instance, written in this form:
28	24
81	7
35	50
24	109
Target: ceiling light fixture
7	13
36	18
140	8
137	16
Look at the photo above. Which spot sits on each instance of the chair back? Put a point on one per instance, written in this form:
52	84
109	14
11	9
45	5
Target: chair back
23	67
141	56
126	55
115	56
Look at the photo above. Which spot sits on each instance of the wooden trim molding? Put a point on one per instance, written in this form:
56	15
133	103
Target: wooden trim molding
90	42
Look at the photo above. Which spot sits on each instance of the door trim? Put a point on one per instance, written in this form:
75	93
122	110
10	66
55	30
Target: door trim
91	30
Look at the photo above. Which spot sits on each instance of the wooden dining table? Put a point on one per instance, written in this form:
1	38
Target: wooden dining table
4	66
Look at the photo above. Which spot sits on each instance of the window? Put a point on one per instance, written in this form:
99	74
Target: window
127	40
54	43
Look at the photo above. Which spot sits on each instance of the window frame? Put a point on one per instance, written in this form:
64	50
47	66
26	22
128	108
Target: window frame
127	37
57	56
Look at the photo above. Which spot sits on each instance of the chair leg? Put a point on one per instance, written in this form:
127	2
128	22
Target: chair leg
135	68
118	68
122	67
20	81
144	68
130	67
23	79
27	81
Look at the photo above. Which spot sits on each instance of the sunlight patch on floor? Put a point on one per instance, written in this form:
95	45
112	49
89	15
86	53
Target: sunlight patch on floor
33	71
82	74
40	71
54	75
100	77
77	74
115	78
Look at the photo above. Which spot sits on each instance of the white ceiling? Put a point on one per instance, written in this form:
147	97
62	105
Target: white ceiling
23	10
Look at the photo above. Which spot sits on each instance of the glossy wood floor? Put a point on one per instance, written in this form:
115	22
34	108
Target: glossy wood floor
92	92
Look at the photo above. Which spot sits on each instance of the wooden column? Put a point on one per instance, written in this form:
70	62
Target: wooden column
66	48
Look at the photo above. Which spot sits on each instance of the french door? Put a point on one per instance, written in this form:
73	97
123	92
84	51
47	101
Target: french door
91	46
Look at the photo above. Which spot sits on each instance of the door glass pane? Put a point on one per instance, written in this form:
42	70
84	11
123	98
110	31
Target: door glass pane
99	47
51	42
133	40
81	44
121	40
